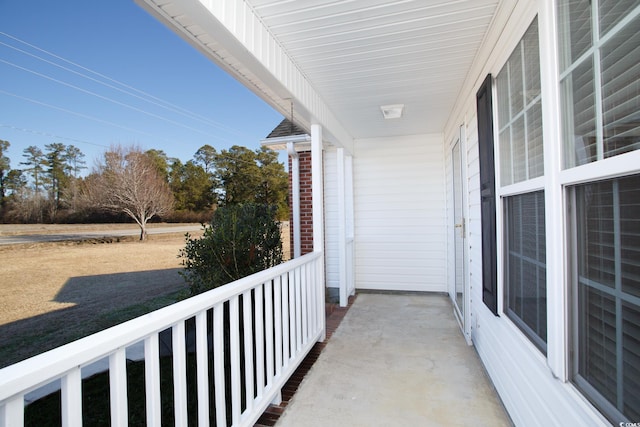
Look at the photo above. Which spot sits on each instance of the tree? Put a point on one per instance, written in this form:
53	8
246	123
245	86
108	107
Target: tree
15	182
236	175
161	162
35	161
273	186
5	166
245	176
191	186
56	163
75	162
128	181
205	157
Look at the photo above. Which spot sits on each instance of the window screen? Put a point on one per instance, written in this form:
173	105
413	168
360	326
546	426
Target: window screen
600	78
607	341
525	265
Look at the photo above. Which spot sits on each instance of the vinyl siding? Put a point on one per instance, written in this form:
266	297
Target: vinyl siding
400	213
331	217
519	371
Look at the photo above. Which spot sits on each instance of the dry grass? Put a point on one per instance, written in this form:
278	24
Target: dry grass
54	293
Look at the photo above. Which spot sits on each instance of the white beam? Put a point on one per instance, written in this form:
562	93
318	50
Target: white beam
350	225
317	188
317	191
342	230
295	196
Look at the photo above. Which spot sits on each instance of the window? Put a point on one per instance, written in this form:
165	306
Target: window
520	112
521	160
607	295
600	78
599	58
525	249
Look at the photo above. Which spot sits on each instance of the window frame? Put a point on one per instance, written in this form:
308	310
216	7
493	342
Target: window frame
531	335
525	186
593	54
582	386
524	113
554	183
568	176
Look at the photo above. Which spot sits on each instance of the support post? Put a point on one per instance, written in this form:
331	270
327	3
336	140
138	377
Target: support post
350	226
295	195
317	178
342	229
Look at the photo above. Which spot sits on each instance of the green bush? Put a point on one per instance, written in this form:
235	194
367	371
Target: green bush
241	240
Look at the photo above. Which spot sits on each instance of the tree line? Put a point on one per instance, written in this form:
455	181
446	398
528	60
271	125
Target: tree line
129	183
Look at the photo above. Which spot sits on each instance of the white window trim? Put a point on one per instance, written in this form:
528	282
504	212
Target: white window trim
593	54
527	186
612	167
557	296
561	266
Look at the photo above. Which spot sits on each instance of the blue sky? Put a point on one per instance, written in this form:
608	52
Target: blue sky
115	42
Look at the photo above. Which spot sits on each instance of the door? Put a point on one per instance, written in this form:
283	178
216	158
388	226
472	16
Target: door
457	288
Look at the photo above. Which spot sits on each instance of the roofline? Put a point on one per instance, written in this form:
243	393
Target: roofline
301	142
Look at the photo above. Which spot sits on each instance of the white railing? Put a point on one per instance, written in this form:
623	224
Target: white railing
245	340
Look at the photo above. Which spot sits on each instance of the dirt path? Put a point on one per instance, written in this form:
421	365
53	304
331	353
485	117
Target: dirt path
51	293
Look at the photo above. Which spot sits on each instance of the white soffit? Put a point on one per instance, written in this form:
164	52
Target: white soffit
341	60
361	55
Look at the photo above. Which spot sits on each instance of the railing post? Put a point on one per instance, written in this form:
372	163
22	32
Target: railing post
202	367
152	379
218	364
12	413
71	405
118	387
179	373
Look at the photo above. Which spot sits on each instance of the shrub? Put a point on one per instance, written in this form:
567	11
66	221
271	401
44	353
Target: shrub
241	240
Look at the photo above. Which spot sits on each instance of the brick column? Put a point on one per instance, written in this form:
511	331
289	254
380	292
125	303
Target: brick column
306	204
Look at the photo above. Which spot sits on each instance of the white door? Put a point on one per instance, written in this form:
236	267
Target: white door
457	287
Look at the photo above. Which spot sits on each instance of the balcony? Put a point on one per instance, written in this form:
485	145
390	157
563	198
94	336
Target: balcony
396	360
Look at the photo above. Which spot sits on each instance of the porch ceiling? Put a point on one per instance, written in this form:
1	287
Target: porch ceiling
339	61
360	55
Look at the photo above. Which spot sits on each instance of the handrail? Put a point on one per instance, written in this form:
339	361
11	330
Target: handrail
301	275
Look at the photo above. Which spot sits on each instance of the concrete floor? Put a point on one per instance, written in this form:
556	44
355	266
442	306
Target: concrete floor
396	360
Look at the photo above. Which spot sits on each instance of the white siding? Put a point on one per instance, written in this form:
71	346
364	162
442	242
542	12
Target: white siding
474	230
532	395
331	217
400	213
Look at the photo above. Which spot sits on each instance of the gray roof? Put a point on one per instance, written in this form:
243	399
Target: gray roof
286	128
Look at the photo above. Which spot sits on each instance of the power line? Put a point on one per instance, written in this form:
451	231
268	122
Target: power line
144	95
171	107
42	133
106	98
75	113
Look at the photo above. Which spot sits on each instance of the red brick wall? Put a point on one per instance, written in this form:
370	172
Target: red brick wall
306	204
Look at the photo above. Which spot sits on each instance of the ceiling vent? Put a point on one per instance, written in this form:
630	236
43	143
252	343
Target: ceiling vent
392	111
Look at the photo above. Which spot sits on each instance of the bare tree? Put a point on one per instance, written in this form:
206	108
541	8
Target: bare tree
127	181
